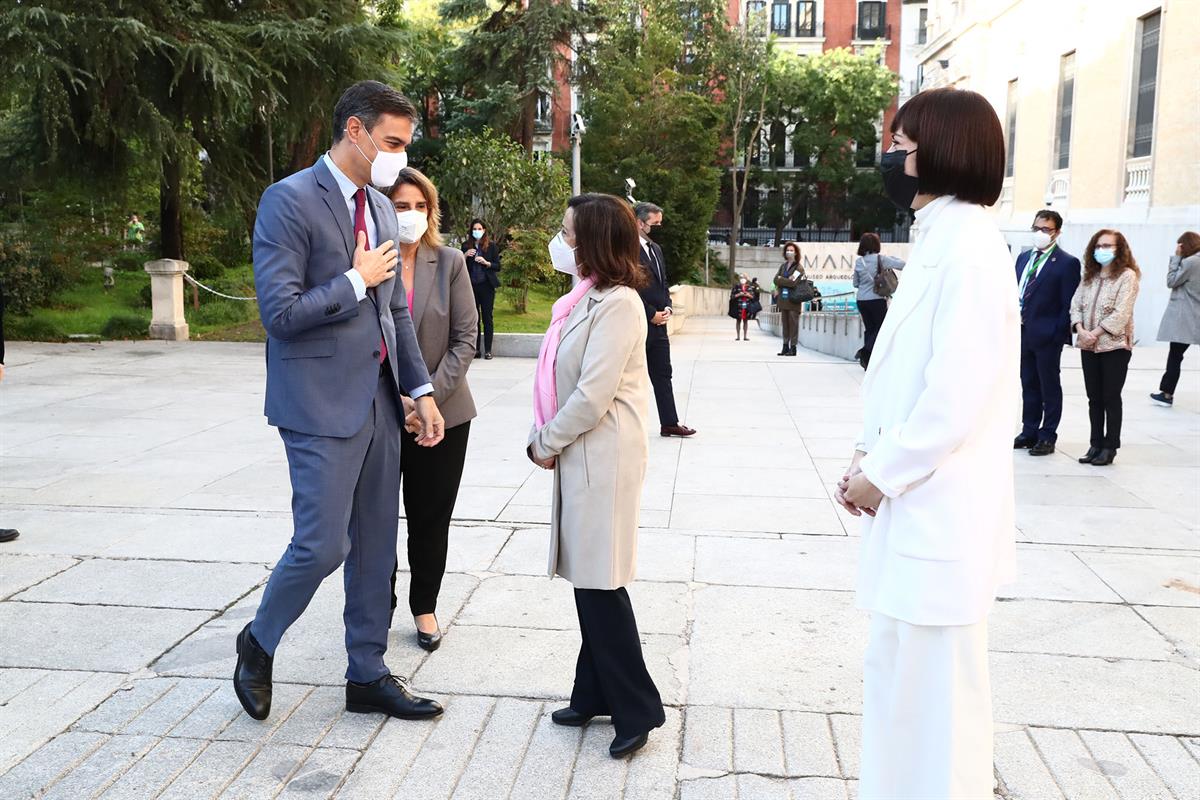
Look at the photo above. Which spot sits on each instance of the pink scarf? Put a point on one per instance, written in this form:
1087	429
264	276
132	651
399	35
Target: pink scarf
545	394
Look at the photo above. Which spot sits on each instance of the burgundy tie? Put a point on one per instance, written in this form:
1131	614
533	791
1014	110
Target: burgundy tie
360	225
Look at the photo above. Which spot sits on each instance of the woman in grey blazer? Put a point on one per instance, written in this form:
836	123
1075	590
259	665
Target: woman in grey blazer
1181	321
444	315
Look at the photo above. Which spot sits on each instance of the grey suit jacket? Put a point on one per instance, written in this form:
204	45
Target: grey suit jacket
447	323
322	344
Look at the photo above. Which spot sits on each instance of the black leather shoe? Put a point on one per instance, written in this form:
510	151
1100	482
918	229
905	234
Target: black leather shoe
429	641
1023	442
1090	455
1104	458
8	534
389	695
570	717
487	356
783	352
792	352
252	675
1042	449
623	746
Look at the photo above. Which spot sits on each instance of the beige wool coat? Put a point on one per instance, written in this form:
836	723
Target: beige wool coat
599	438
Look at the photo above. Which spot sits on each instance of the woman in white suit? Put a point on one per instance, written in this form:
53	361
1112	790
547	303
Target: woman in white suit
591	399
933	471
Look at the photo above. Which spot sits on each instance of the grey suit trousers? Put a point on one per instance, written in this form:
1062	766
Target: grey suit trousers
345	509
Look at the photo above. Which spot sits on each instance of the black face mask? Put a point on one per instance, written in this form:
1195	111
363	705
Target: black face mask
901	189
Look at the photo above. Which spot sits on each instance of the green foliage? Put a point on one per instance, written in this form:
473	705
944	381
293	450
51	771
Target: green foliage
488	175
126	325
33	329
129	261
31	275
526	262
205	268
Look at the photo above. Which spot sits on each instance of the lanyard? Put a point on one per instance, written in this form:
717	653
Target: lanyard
1034	266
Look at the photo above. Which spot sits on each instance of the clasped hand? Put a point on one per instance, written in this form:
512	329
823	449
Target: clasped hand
422	417
855	492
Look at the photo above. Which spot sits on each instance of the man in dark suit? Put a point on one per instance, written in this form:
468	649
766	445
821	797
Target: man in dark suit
657	299
340	350
1047	277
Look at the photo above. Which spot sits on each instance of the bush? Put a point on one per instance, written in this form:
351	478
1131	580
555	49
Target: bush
526	262
205	268
146	296
32	329
129	261
32	277
126	325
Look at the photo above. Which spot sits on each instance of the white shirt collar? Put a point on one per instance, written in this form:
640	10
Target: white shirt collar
345	184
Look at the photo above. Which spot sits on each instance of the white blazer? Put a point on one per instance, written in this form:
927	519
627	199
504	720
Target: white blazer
940	407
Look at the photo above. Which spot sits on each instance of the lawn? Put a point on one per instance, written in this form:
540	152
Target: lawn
89	309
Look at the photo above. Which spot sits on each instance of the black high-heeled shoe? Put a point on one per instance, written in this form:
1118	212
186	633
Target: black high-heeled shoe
1090	455
430	641
1104	458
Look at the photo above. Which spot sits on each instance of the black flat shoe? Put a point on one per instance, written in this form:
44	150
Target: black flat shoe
1104	458
1042	449
8	534
389	695
570	718
623	746
1023	443
783	352
252	676
429	641
1090	455
1164	398
487	356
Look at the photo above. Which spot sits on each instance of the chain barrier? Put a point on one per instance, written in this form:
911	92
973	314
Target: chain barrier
195	282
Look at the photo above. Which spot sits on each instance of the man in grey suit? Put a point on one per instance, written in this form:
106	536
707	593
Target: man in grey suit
340	350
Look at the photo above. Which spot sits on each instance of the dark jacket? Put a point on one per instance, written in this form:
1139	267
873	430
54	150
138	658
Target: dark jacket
783	280
1046	314
478	272
657	294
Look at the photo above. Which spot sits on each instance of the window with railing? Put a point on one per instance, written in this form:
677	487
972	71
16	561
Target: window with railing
756	14
1145	81
1012	129
781	19
923	26
806	18
1066	106
872	20
543	114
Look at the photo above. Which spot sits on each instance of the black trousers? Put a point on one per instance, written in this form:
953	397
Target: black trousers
658	363
873	313
429	482
485	303
1104	378
611	679
1170	378
1041	391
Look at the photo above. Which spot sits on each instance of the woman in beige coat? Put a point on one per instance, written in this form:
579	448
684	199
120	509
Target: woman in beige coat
591	400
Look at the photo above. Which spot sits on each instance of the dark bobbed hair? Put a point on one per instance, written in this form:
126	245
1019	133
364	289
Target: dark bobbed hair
1123	259
1053	216
369	100
607	244
868	244
487	233
1191	243
960	144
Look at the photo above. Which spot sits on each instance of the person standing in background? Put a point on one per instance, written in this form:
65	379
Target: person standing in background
1181	321
440	296
135	233
1102	319
872	306
656	297
6	534
741	307
786	279
483	262
1047	277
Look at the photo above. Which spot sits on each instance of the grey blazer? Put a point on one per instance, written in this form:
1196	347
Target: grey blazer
1181	320
447	323
322	343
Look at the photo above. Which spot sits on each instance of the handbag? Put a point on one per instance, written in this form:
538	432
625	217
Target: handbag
886	281
805	290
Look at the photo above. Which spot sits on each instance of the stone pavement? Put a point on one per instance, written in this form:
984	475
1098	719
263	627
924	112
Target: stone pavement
153	499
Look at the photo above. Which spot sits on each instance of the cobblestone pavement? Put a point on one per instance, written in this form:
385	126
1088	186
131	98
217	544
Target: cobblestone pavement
152	500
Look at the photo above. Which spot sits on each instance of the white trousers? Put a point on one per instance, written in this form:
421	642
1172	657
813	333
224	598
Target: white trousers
927	713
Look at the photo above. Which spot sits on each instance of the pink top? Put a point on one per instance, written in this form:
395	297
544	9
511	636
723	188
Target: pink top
410	291
545	394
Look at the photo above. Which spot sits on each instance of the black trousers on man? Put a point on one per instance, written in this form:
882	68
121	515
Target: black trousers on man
1170	378
1041	391
1104	378
611	679
485	304
873	313
658	363
429	482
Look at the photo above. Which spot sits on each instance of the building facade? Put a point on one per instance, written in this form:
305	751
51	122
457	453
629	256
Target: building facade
1101	107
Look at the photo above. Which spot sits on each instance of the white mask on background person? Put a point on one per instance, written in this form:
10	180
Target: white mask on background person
412	225
1042	240
562	256
386	166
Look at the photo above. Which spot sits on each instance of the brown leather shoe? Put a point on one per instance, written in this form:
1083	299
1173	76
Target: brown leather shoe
677	430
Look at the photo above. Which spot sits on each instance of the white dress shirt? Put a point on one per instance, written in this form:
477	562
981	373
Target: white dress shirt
349	189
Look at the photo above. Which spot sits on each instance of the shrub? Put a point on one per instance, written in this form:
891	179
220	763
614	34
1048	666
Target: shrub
526	262
205	268
146	296
32	329
32	277
129	261
125	325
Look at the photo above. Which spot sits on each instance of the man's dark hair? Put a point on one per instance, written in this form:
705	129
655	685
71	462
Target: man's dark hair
644	210
1053	216
960	144
369	100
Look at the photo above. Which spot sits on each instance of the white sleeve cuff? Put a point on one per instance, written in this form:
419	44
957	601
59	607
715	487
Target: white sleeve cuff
360	286
421	391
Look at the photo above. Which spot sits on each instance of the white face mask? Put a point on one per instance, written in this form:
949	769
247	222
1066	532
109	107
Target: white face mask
386	166
562	255
1042	240
412	225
